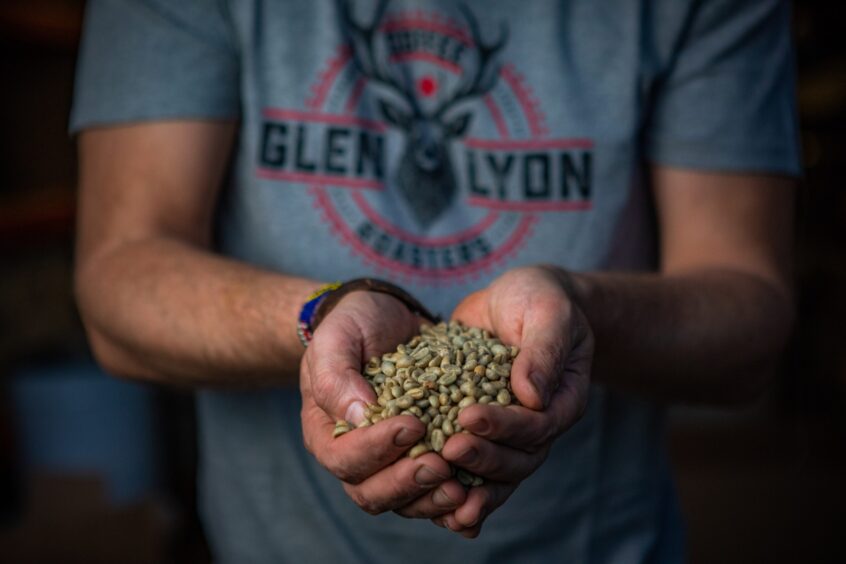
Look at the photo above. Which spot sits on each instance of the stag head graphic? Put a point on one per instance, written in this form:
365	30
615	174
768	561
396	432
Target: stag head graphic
425	176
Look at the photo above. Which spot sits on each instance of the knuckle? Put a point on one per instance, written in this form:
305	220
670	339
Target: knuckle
371	508
556	306
363	502
405	513
343	474
543	434
411	512
339	469
532	462
401	486
322	386
493	468
495	427
547	434
487	498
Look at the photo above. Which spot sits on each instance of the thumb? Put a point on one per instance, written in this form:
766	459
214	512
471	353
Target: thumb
334	374
473	310
535	376
537	371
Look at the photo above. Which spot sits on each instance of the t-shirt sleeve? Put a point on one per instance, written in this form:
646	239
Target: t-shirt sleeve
727	99
145	60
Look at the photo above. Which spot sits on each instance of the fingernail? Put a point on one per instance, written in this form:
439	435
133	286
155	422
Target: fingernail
355	412
425	476
539	382
441	498
479	426
406	437
467	457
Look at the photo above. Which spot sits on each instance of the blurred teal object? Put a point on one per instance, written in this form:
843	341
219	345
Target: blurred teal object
72	418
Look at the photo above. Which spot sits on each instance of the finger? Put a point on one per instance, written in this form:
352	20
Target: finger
399	484
543	354
481	502
358	454
526	429
473	310
441	500
334	370
490	460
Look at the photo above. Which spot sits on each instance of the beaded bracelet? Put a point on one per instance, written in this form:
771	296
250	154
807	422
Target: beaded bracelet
305	323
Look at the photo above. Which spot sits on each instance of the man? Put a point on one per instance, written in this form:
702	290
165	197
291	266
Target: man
604	184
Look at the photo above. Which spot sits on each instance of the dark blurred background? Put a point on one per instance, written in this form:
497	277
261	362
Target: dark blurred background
93	469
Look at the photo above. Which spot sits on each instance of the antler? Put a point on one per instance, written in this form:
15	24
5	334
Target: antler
363	41
484	79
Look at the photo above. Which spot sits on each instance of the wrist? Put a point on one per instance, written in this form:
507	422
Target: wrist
307	319
578	287
324	300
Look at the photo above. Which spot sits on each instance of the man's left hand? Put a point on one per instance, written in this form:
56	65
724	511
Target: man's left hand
530	308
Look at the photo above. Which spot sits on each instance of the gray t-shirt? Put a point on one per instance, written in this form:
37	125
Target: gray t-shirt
439	146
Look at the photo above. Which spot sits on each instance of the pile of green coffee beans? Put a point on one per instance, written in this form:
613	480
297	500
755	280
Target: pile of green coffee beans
434	376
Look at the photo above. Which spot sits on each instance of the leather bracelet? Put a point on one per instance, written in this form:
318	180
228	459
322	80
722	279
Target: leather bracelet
370	285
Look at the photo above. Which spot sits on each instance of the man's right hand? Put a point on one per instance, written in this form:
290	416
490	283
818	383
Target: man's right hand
371	460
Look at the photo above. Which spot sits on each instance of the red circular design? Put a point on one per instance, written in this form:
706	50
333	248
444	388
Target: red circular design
426	85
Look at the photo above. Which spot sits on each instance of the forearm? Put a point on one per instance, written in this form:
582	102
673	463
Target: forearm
702	336
164	310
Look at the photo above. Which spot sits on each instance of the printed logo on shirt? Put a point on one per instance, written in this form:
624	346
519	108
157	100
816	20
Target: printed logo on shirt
385	147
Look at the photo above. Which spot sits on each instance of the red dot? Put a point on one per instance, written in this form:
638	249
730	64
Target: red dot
427	85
